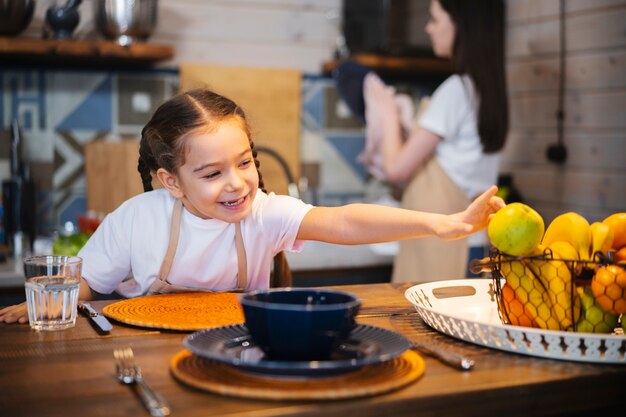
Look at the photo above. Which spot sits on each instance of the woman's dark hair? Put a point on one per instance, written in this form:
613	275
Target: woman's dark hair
163	144
478	51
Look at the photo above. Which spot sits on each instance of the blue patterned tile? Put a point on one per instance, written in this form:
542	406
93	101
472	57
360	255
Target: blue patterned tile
349	147
95	112
313	103
23	98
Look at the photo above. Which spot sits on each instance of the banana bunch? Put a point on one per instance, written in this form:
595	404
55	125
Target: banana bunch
556	277
585	238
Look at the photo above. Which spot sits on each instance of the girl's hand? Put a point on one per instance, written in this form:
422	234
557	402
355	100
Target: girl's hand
474	218
14	314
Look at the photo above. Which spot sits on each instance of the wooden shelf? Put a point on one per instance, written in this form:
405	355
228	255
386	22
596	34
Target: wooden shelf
396	65
82	52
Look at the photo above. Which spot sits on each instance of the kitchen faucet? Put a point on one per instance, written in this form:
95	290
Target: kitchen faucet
292	187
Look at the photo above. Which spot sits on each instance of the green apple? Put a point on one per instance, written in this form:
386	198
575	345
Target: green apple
516	229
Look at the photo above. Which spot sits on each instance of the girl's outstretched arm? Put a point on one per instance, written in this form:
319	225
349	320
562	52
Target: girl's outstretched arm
368	223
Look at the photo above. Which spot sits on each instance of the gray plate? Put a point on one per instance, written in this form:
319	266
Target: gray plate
233	345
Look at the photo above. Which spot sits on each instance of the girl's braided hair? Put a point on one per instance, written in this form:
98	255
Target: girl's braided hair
163	146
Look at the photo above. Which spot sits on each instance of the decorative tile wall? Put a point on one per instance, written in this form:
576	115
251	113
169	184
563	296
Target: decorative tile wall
59	113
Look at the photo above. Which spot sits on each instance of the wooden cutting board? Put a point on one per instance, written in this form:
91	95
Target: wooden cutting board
111	174
271	99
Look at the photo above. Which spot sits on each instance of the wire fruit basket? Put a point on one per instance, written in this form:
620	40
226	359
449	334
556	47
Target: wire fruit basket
546	292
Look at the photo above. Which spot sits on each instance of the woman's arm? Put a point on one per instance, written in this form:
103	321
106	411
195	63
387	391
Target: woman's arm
403	159
367	223
19	314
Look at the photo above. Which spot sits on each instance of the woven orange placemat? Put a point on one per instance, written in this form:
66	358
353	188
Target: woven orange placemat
180	311
225	379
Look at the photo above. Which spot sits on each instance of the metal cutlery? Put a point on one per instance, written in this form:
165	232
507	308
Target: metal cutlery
100	322
129	373
447	357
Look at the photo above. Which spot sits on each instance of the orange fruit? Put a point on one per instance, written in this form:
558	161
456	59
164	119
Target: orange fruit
515	311
617	223
609	288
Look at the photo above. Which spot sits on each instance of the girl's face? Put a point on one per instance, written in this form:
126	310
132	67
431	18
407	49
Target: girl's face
219	179
441	30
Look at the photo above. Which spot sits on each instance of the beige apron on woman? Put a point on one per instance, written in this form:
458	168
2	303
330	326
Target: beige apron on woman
431	258
161	286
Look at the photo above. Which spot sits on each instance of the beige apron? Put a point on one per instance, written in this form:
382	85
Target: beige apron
431	258
160	285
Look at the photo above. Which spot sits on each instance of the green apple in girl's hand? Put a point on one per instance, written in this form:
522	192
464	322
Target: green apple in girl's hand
516	229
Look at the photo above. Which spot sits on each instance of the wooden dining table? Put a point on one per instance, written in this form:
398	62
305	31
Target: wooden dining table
72	373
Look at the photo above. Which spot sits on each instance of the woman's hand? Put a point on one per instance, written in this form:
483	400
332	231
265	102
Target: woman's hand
474	218
14	314
381	110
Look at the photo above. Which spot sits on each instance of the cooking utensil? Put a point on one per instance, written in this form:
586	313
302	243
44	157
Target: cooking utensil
126	21
62	20
129	373
101	323
18	198
15	15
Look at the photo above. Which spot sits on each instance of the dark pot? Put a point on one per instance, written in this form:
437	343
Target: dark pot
15	15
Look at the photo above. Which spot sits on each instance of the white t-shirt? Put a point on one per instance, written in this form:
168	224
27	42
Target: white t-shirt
451	114
133	240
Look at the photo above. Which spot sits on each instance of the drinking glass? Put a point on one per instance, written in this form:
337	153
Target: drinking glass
52	284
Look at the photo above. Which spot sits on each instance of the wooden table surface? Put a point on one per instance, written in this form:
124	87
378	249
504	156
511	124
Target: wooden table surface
72	373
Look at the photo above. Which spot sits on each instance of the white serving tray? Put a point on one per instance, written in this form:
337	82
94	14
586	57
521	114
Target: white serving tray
473	317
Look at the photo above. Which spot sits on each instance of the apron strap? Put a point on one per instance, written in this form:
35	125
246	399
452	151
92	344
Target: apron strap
168	260
160	285
242	264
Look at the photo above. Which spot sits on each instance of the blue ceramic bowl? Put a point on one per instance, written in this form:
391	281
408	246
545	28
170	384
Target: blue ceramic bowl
299	324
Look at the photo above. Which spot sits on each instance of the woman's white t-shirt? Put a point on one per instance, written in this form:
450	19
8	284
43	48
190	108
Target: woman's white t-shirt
451	114
133	240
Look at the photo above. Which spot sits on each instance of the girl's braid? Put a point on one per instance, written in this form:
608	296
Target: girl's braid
144	167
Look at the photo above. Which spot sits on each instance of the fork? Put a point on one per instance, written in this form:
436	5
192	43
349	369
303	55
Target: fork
129	373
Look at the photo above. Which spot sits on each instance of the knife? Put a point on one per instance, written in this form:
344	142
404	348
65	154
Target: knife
101	322
447	357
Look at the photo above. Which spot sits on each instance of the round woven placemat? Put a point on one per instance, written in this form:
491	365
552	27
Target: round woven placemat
225	379
180	311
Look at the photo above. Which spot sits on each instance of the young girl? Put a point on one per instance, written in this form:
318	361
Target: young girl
211	228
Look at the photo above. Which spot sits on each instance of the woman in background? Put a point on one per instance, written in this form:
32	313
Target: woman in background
452	152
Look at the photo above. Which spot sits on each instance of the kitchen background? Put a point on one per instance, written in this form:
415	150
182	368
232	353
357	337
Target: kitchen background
63	108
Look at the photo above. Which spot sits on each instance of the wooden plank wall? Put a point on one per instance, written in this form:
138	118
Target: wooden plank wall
298	34
593	180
